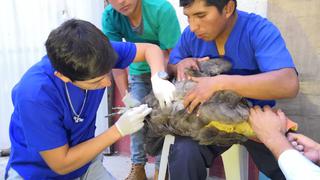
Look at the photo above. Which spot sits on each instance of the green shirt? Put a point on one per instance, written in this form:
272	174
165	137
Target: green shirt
160	27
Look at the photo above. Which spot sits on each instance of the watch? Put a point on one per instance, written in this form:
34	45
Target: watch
163	75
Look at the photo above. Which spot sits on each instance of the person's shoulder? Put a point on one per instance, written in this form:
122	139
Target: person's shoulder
157	5
110	13
126	52
187	34
121	47
109	9
117	44
38	80
255	26
187	30
253	21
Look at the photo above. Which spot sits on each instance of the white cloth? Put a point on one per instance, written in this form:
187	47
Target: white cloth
297	167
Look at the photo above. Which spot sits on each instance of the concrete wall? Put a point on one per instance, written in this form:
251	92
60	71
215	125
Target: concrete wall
299	23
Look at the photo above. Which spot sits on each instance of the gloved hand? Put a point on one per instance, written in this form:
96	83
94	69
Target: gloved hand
132	120
163	90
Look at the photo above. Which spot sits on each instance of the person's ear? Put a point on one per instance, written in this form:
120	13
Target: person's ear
229	8
62	77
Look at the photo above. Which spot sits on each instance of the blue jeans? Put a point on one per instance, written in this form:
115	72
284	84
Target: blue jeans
139	87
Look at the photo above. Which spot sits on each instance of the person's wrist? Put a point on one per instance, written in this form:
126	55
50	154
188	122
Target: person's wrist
115	134
221	83
160	75
118	128
278	144
154	77
270	138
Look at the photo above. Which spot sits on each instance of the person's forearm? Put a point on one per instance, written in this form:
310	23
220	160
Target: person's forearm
272	85
152	54
277	144
121	80
155	59
83	153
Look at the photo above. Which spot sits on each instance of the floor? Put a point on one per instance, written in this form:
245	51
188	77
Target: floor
3	163
112	163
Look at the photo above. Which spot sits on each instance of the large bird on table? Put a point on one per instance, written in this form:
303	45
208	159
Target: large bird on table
222	120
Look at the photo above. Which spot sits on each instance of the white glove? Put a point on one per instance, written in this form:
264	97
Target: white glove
132	120
163	90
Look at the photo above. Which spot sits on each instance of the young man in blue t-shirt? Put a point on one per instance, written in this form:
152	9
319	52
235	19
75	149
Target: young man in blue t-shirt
55	104
262	70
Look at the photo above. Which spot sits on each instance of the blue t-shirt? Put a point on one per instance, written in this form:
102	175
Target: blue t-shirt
254	46
42	118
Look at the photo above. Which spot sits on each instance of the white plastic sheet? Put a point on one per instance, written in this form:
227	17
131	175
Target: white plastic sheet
24	27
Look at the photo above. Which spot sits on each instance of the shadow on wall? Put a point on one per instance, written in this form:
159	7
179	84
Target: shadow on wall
298	23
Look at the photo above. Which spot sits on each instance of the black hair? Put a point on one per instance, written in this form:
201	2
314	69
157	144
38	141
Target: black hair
219	4
80	51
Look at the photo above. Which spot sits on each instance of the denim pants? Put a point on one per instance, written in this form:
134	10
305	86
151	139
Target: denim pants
139	87
96	171
188	160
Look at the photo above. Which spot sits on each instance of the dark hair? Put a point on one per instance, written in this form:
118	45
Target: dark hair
220	4
80	51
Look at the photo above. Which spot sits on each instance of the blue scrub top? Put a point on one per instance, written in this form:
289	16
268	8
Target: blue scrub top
42	118
254	46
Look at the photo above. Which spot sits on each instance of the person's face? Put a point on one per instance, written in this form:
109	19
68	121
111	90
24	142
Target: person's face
125	7
205	21
96	83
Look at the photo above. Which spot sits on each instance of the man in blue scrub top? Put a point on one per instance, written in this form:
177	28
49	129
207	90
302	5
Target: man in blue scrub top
263	70
55	104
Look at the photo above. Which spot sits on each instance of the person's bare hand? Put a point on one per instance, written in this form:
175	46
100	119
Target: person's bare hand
266	123
307	146
188	63
205	88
